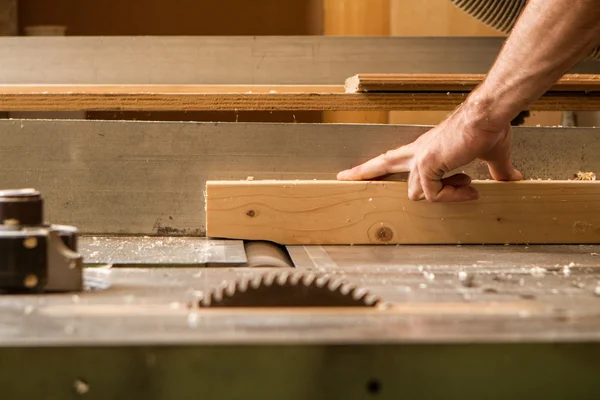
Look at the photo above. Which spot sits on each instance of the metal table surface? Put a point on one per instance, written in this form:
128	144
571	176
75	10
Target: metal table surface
525	315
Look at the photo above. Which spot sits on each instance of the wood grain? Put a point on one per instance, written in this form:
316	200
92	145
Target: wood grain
211	98
332	212
362	83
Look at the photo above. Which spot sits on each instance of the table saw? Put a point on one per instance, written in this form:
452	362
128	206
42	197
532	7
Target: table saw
165	311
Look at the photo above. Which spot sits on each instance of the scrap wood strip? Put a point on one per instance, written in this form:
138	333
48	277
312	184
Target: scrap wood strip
372	83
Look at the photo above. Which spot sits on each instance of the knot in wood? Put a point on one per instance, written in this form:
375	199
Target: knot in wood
384	234
251	213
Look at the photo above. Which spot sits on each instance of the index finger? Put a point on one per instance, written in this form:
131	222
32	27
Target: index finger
391	162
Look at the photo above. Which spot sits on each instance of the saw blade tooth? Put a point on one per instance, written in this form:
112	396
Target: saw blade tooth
295	279
230	290
309	279
346	288
217	295
283	279
335	285
268	280
321	282
371	300
256	282
243	285
359	293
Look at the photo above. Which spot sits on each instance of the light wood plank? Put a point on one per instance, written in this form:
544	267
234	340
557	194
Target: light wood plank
311	60
148	178
362	83
198	98
332	212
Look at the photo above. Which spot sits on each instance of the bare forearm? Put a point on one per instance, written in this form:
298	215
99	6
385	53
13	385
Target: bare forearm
549	39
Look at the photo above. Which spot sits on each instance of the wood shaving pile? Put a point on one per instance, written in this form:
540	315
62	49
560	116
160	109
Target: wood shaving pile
584	176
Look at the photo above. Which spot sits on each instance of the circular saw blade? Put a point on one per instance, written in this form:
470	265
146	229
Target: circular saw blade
289	290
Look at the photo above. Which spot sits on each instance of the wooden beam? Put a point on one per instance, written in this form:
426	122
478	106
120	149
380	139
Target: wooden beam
311	60
247	98
148	178
362	83
332	212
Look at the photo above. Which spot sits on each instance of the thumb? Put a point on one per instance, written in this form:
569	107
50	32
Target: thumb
498	160
504	171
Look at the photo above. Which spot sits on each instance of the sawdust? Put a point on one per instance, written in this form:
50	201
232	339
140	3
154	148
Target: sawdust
584	176
581	226
538	272
81	387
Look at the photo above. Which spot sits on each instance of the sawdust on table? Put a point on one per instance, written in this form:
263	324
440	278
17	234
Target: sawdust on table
584	176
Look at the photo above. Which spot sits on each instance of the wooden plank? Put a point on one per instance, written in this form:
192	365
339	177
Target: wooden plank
148	178
333	212
198	98
165	17
362	83
311	60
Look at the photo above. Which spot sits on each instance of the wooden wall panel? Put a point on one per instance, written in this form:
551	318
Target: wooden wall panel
442	18
8	17
181	17
356	18
165	17
434	18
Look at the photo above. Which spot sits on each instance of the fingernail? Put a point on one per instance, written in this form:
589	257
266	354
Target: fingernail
343	175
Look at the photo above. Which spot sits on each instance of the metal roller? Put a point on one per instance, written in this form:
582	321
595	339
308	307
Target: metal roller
266	255
500	14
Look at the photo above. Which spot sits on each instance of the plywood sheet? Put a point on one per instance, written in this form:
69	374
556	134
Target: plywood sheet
362	83
199	98
332	212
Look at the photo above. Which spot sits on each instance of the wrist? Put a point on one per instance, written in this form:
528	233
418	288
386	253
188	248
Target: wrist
484	112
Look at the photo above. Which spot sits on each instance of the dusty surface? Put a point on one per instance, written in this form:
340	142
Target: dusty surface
163	251
440	295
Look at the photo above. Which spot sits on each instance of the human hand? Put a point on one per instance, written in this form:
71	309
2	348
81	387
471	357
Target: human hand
463	137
